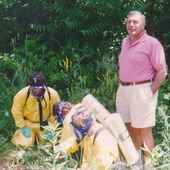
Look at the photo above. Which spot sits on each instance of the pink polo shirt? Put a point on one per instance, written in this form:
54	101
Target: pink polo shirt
140	60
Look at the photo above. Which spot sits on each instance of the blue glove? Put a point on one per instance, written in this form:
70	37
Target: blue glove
26	131
47	136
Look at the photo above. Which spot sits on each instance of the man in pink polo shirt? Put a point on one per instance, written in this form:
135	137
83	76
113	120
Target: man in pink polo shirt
142	69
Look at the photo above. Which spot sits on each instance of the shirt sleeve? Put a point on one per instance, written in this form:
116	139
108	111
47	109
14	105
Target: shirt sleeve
69	146
17	108
157	55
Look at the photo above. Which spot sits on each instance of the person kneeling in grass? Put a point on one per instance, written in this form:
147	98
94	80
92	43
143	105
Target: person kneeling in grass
100	147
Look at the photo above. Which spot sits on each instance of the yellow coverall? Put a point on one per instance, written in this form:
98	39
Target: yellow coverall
102	153
26	113
67	142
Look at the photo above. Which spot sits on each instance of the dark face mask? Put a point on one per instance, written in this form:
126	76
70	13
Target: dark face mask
37	91
59	113
80	132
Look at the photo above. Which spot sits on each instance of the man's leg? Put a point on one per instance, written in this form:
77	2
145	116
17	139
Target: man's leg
147	137
139	136
135	136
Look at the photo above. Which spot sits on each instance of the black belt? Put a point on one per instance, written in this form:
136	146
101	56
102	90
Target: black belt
44	123
135	83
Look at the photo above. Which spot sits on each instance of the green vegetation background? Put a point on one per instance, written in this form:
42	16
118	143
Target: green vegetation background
75	44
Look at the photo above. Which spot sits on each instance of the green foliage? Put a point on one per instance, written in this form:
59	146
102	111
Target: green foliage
6	64
72	30
4	144
161	152
75	44
38	157
164	104
6	91
77	79
108	81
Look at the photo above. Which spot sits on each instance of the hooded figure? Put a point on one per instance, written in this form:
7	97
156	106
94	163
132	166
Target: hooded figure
63	111
100	147
32	109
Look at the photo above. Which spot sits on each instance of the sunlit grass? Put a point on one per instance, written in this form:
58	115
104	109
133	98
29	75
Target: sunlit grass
41	157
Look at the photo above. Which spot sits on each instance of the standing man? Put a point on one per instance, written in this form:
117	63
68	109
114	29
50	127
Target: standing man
32	109
142	69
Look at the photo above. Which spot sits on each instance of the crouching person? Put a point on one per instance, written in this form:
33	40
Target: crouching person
63	112
100	147
32	109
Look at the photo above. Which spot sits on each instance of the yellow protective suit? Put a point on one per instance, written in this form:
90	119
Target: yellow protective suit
26	113
102	154
67	142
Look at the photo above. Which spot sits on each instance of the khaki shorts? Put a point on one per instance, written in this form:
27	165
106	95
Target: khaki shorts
137	104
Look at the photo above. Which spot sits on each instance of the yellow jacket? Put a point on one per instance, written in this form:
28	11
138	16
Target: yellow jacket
30	111
67	142
102	153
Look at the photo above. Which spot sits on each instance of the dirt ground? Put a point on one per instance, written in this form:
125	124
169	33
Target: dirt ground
5	165
7	161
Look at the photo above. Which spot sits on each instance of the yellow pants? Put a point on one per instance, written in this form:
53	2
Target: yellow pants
19	139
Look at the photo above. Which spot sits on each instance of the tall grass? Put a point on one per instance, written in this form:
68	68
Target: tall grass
43	157
103	86
161	152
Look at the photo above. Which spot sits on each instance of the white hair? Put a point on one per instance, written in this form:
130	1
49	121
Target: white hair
137	13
